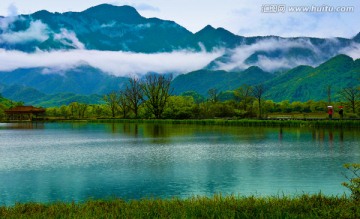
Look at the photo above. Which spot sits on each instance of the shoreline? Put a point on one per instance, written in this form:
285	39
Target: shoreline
315	123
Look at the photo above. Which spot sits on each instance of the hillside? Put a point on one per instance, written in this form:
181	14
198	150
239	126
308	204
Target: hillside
84	80
298	84
4	103
31	96
306	83
295	68
202	80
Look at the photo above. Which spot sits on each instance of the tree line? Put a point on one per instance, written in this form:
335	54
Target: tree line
152	97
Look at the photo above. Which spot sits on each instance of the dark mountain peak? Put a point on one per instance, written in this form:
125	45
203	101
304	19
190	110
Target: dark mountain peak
357	38
224	31
125	14
42	14
206	29
219	37
210	31
254	69
111	8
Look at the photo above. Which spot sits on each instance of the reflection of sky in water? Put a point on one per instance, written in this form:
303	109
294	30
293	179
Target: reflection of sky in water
77	161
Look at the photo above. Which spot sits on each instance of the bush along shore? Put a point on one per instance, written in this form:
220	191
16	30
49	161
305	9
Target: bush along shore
232	122
304	206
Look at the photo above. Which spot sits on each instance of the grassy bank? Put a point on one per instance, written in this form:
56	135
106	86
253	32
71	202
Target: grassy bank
305	206
246	122
224	122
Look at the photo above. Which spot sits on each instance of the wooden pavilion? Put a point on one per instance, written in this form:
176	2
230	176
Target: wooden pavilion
24	113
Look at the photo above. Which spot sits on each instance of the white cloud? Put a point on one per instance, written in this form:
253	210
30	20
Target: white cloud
239	55
37	31
116	63
12	10
352	51
145	7
69	38
11	18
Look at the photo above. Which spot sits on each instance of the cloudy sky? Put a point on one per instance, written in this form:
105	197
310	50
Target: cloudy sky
242	17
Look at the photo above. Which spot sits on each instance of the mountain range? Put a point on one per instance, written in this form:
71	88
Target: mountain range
295	68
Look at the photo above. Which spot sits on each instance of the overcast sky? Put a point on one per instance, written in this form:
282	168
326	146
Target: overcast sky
242	17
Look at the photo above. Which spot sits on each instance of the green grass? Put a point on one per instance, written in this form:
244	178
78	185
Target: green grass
304	206
245	122
230	122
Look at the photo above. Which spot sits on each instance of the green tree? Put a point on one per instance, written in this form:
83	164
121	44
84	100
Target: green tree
244	95
112	101
73	108
197	97
82	109
353	183
297	106
2	113
213	94
64	111
180	107
156	90
351	95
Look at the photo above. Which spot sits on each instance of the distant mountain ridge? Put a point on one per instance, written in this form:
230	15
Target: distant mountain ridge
83	79
295	68
122	28
301	83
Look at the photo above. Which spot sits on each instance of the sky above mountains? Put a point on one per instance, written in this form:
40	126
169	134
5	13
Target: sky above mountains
287	18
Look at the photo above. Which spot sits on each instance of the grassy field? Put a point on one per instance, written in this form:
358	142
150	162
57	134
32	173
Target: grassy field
305	206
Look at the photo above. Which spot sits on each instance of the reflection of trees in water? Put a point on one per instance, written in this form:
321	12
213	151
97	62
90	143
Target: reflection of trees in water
331	135
159	134
131	129
341	137
280	134
25	125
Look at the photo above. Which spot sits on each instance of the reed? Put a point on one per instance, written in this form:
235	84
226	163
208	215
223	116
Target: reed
304	206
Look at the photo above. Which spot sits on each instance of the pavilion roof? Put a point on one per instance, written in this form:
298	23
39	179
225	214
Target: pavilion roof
25	109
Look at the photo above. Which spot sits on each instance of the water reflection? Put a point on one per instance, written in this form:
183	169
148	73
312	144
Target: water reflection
66	161
23	125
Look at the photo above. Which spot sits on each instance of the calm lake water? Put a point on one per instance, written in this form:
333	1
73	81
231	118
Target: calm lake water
78	161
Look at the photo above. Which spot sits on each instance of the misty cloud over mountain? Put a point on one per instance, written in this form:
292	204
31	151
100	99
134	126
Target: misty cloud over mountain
119	41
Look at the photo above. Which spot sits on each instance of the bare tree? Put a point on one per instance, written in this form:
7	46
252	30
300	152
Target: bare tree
134	94
157	91
244	95
123	104
258	92
112	100
352	96
213	95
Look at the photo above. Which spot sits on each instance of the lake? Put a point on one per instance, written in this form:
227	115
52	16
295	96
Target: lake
47	162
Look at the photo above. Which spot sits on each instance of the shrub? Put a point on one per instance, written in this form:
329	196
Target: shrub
354	180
